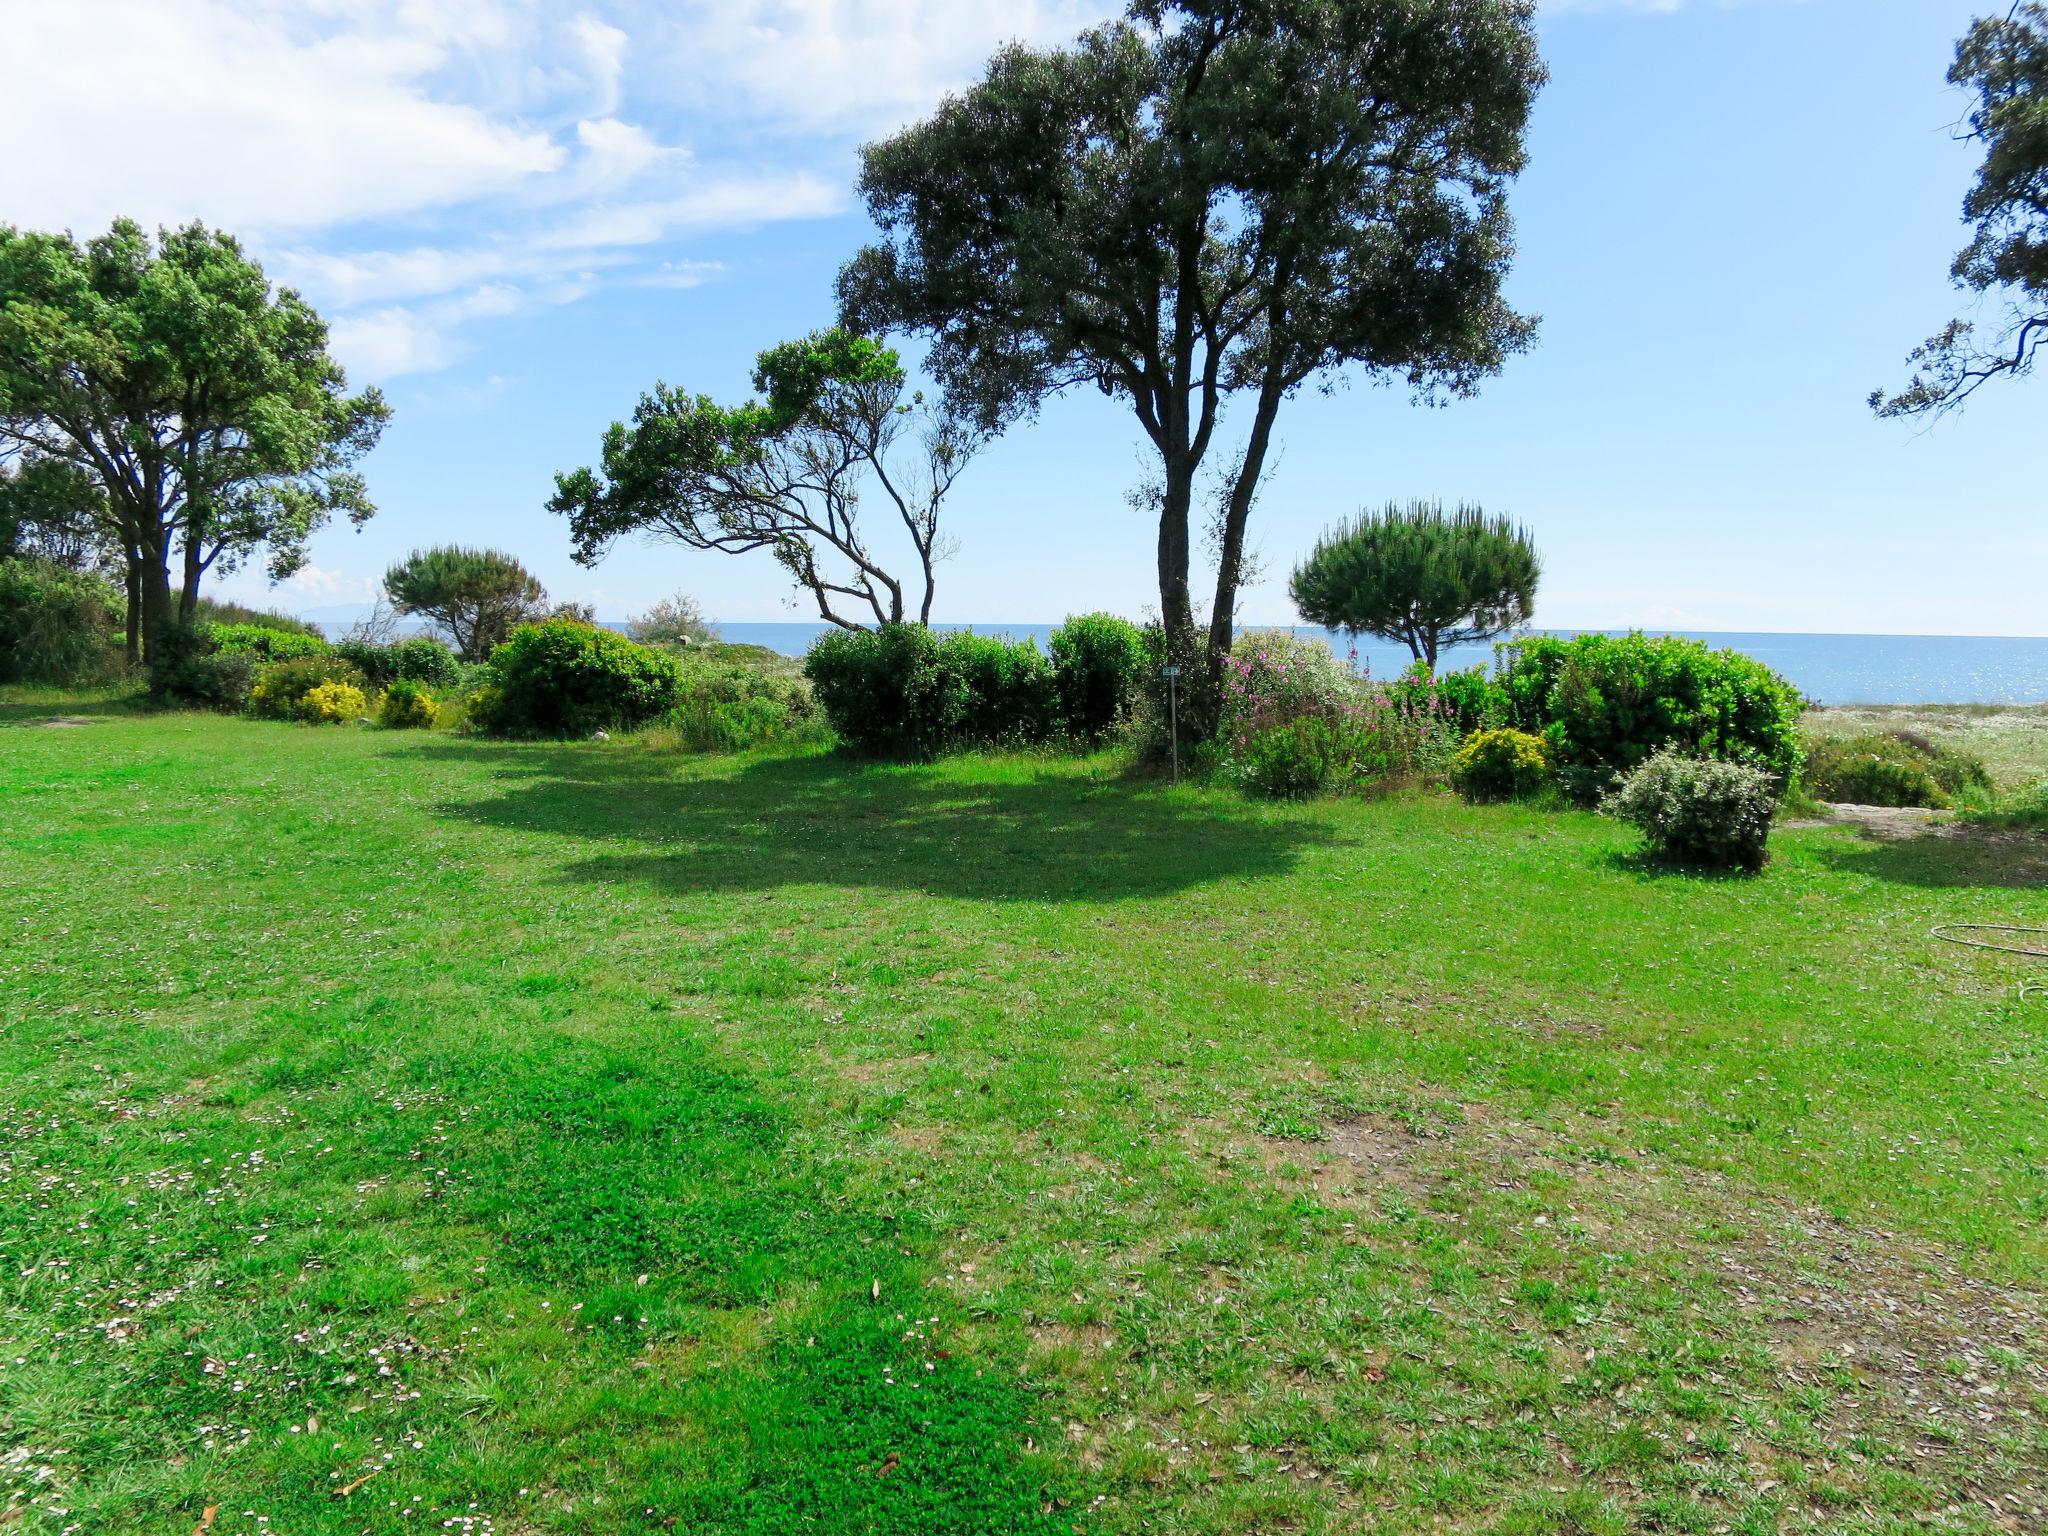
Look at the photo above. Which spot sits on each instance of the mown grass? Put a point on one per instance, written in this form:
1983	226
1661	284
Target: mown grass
408	1133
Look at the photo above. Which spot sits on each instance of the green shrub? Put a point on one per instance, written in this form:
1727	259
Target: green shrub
1699	811
57	626
407	706
1005	688
885	692
264	642
1099	667
565	678
1607	703
1273	678
282	685
2021	810
1473	700
735	697
331	704
1893	768
1502	764
1292	761
188	670
415	659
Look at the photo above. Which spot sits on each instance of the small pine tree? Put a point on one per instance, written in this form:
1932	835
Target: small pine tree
1418	574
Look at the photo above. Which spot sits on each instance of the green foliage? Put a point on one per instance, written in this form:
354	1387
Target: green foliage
479	596
1199	200
1006	689
672	621
57	626
217	611
564	678
1892	768
264	642
331	704
1292	761
2024	809
1606	703
1501	764
1421	576
1099	663
783	473
2004	59
281	687
188	670
885	692
204	403
55	511
738	696
1699	811
415	659
407	706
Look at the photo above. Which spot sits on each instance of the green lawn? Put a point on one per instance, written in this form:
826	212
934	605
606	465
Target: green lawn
408	1133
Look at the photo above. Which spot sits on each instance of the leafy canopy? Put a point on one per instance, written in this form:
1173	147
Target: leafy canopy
477	595
203	403
1207	198
2005	61
1423	576
784	472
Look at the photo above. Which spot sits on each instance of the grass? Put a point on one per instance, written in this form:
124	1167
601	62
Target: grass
408	1133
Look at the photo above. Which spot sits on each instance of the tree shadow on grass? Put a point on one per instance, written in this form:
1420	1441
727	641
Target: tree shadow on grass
1948	859
1013	834
53	709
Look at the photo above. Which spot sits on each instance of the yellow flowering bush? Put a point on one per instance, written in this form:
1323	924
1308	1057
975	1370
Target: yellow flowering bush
406	706
332	704
1501	765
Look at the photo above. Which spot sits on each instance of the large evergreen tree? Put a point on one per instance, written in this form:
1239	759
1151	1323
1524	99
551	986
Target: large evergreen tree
1207	199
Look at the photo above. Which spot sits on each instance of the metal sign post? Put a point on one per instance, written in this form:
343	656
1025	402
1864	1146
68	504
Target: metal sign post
1172	675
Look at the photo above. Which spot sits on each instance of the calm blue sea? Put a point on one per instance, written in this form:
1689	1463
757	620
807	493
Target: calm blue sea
1829	669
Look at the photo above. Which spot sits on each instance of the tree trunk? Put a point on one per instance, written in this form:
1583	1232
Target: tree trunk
1176	605
1245	490
159	617
188	591
134	563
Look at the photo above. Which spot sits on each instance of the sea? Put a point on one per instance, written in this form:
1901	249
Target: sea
1828	669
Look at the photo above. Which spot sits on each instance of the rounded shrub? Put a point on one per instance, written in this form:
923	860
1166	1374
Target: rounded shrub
1503	764
281	686
415	659
1005	689
188	670
331	704
1099	666
885	692
566	678
1698	811
1606	703
406	706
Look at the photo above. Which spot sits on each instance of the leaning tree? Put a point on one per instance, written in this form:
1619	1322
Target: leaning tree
2005	61
1424	577
203	403
1212	199
785	473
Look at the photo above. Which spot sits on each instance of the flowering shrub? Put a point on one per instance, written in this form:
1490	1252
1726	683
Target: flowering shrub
1698	811
1501	765
282	685
1296	720
406	706
331	704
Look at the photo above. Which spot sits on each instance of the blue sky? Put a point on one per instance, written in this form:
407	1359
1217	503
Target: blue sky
1737	220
